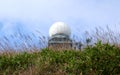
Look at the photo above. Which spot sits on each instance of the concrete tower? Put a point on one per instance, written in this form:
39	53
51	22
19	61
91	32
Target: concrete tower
59	34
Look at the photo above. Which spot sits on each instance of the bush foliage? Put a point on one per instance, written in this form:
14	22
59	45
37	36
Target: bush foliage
98	59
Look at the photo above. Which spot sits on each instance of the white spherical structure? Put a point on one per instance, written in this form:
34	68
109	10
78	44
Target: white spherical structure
59	28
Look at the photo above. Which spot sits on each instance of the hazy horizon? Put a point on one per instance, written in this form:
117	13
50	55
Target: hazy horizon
39	15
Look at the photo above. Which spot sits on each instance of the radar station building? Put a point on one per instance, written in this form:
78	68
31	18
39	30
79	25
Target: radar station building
59	37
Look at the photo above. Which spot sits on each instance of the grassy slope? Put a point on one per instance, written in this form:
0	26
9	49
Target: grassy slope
103	59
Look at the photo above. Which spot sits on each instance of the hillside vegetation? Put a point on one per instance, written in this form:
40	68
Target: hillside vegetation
99	55
100	59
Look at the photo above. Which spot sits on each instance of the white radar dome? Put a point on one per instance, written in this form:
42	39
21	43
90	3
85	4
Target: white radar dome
59	28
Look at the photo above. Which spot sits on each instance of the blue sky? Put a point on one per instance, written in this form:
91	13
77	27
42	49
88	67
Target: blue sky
80	15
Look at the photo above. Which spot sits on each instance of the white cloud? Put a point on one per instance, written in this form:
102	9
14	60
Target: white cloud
40	14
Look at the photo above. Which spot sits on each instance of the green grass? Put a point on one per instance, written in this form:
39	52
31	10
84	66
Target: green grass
95	57
102	59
